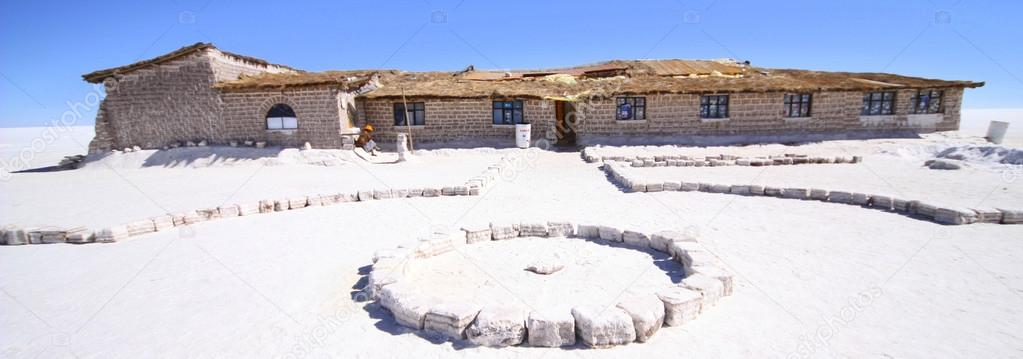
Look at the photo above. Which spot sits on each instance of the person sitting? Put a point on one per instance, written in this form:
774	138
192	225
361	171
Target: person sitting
365	140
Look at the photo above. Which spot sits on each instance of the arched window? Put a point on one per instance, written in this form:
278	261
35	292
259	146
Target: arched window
281	117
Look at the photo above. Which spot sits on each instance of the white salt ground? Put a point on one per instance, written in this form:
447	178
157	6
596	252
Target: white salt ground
594	273
813	279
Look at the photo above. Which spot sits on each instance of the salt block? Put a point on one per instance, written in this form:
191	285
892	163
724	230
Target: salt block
647	314
689	254
532	229
705	187
884	203
80	236
447	191
661	241
431	192
281	205
690	187
742	190
415	192
955	216
672	186
503	231
461	191
112	234
141	227
35	237
545	266
598	327
228	211
588	231
189	217
720	188
840	197
900	205
434	247
637	187
314	201
636	239
1011	216
365	195
409	310
610	234
248	209
861	199
400	193
795	193
756	190
498	326
477	234
348	197
383	275
266	206
988	215
163	223
772	191
655	187
560	229
711	288
298	202
16	237
922	209
450	319
53	236
719	273
819	194
382	194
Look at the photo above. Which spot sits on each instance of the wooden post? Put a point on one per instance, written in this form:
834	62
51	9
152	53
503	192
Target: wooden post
408	122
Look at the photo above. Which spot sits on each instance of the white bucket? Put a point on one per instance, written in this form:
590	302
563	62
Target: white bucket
996	131
523	132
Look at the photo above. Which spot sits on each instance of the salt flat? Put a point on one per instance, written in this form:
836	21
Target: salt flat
813	279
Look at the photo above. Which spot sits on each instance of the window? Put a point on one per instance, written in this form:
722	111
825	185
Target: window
281	117
928	101
878	103
715	106
631	108
797	105
416	111
508	112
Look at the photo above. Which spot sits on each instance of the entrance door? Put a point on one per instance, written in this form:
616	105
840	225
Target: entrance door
564	113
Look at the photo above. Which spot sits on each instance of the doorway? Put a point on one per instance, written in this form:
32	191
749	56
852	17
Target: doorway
565	123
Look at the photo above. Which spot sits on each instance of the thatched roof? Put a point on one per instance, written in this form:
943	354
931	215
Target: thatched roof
99	76
642	77
609	77
344	79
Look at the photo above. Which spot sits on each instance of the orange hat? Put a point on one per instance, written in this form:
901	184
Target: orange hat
368	128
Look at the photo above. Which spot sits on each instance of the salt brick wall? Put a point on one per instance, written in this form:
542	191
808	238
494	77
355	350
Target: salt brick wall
168	102
321	113
453	119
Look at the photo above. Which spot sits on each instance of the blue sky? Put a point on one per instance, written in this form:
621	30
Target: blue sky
45	46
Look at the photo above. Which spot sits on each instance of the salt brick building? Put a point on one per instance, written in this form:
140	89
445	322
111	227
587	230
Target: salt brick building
200	92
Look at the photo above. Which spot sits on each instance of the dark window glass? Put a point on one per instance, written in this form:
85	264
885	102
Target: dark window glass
878	103
416	111
714	106
928	101
508	112
797	105
631	108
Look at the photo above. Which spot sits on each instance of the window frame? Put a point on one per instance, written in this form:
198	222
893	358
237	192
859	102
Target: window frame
635	103
508	112
717	105
798	105
928	108
869	101
280	119
416	109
